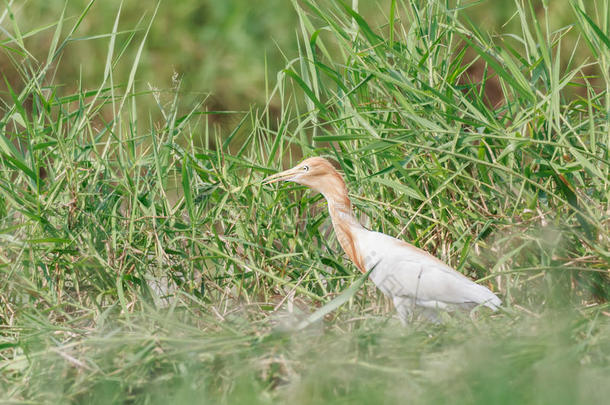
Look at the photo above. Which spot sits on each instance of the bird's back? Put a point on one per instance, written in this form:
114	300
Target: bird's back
410	276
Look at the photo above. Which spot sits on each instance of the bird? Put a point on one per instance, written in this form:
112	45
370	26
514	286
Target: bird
416	282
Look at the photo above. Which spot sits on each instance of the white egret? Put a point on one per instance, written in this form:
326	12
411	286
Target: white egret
411	277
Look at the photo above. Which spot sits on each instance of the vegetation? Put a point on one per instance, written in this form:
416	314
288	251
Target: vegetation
142	260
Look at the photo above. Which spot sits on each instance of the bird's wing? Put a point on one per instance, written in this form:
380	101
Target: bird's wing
434	285
406	271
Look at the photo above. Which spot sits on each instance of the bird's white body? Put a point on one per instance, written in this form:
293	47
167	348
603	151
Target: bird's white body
414	279
411	277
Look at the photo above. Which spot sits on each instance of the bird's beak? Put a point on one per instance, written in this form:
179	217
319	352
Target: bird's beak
285	175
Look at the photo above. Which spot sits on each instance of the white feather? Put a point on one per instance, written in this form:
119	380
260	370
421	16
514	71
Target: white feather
412	277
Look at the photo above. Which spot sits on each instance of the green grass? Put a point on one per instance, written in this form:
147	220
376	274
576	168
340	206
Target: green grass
142	261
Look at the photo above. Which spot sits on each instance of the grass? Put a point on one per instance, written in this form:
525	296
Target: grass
185	37
142	261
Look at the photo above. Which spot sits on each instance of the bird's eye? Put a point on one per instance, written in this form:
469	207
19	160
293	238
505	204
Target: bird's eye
306	168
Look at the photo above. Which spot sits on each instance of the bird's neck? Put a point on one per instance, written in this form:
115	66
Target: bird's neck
346	226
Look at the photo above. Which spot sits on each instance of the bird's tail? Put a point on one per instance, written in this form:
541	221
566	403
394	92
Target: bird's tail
482	295
492	302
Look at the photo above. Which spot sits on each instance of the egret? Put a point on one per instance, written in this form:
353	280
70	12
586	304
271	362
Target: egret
412	278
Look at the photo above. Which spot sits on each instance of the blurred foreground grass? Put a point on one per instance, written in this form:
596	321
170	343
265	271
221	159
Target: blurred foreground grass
142	261
175	357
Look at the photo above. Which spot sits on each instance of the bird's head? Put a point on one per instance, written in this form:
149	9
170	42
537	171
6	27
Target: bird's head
316	173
